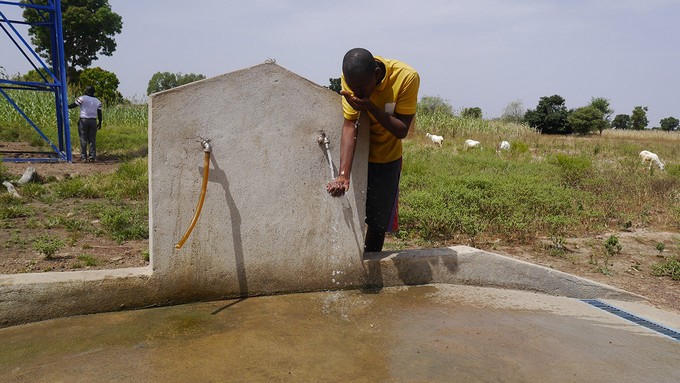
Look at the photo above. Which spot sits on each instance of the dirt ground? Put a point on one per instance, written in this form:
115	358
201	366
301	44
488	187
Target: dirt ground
630	270
82	251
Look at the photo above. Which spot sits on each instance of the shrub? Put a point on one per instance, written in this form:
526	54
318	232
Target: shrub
668	268
48	245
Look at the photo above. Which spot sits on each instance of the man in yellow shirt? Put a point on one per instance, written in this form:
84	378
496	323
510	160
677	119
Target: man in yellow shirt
388	91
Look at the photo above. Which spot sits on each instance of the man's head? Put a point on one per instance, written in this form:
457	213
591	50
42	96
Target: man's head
361	72
89	91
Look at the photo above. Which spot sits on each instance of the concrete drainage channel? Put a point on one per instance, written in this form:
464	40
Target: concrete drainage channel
661	329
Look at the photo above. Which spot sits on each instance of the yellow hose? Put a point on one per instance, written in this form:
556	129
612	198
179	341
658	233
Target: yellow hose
206	170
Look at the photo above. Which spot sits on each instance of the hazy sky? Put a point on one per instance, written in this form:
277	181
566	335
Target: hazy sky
483	53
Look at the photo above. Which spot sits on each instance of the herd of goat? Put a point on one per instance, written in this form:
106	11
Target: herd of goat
645	155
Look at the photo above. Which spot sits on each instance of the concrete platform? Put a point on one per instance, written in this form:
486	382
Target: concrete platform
430	333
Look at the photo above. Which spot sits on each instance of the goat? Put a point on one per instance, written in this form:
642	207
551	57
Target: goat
504	145
650	157
470	144
437	140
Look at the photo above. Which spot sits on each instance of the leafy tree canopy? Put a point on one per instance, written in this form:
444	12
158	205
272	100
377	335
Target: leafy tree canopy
105	84
602	104
669	123
88	28
638	120
474	112
335	84
587	119
161	81
621	121
434	105
550	116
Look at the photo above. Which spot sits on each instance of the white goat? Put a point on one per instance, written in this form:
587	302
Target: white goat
437	140
471	144
504	145
650	157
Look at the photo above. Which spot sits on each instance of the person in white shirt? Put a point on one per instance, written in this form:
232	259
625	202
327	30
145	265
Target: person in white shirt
89	122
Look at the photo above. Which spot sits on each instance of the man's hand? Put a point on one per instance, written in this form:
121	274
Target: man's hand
338	186
356	103
99	126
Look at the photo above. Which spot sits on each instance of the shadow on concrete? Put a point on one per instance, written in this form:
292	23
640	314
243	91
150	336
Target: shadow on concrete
219	310
411	267
218	175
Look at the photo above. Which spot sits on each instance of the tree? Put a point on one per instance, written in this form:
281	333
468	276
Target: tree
474	112
669	124
638	120
586	119
88	28
161	81
514	112
104	82
550	116
621	121
602	104
434	105
335	84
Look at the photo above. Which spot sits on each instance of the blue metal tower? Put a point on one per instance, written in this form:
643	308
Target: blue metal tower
55	80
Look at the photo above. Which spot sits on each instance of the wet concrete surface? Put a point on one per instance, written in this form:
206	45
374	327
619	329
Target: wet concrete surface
432	333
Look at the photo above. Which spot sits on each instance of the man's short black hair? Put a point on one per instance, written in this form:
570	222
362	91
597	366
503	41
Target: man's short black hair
358	63
89	91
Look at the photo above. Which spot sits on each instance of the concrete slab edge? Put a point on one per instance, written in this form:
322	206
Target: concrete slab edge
28	298
470	266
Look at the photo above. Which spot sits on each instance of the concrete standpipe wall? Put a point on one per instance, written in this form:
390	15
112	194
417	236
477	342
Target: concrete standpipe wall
267	224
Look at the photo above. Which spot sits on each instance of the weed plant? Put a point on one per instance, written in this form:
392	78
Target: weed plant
48	245
668	268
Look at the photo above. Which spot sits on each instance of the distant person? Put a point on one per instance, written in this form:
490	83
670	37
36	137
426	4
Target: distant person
89	122
388	91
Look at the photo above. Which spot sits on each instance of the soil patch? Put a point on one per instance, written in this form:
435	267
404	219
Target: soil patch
631	269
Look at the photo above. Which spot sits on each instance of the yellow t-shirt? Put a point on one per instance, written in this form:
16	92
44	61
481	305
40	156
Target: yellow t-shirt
396	93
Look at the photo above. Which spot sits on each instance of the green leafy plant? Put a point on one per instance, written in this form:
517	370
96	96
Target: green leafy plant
668	268
87	259
612	247
48	245
660	247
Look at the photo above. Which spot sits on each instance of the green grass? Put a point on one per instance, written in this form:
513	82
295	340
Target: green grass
545	186
87	259
124	223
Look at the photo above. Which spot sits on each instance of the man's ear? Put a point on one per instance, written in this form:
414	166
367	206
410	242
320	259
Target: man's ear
377	73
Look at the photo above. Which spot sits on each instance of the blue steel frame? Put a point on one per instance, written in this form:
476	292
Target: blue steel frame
54	82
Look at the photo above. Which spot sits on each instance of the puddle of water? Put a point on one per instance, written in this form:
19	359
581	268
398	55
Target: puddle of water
414	334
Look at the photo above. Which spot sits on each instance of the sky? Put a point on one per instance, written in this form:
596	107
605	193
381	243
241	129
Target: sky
471	53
